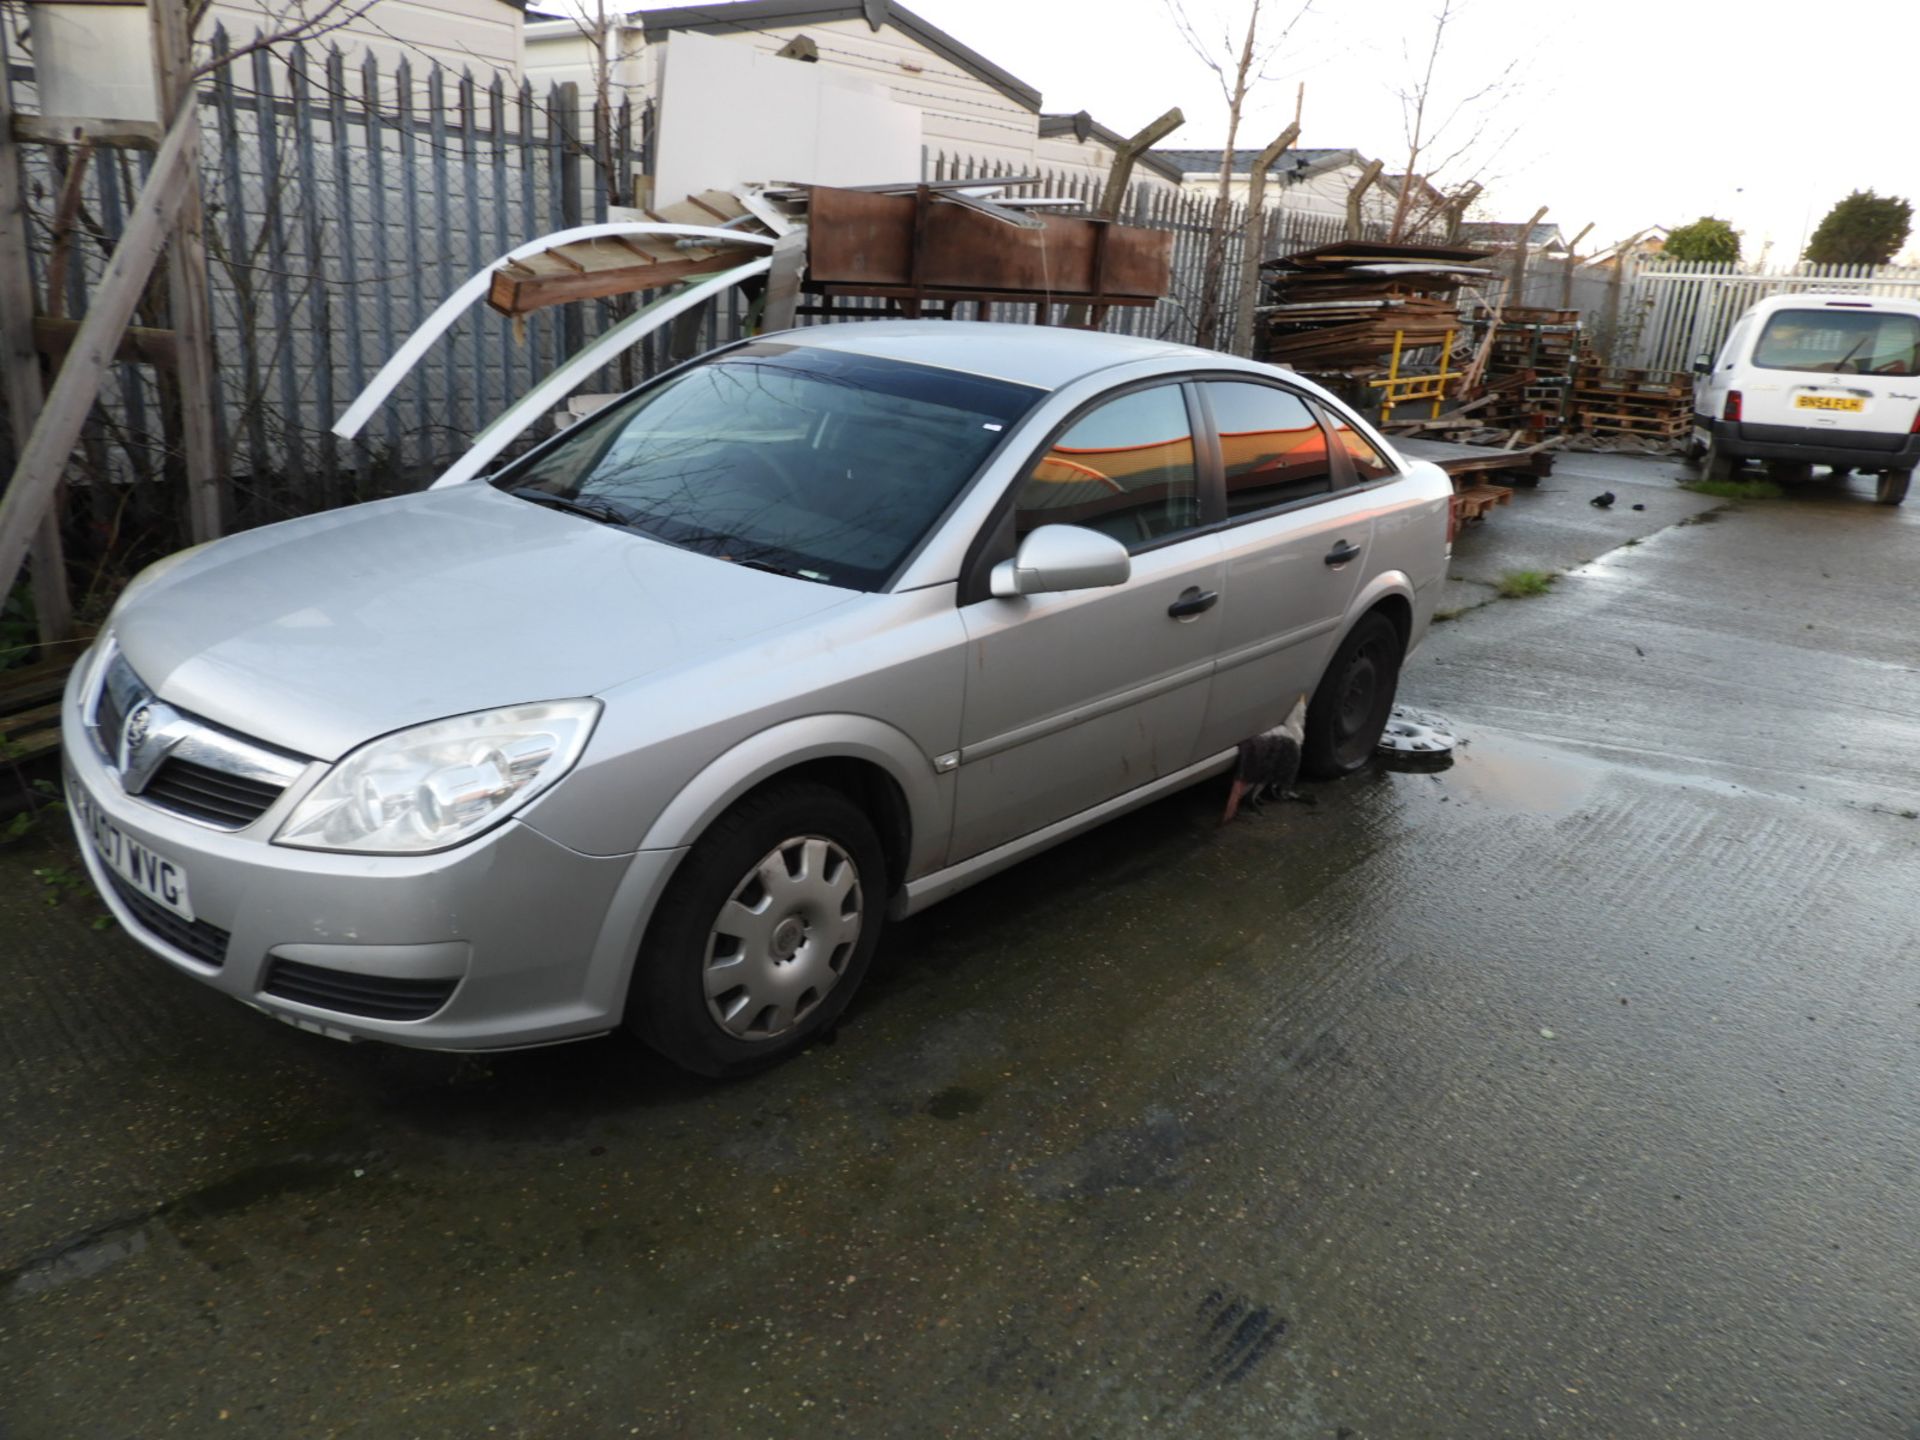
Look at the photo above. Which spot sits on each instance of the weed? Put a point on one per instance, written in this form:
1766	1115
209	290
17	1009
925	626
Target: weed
1736	489
1629	542
1440	617
57	882
1519	584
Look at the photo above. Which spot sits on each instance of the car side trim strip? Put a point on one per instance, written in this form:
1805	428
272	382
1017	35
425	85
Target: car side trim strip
1081	714
1247	654
917	895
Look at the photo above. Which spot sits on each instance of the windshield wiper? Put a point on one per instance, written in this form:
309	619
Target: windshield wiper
773	569
605	511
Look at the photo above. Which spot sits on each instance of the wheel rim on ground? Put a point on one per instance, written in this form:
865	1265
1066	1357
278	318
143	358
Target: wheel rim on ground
1361	711
783	939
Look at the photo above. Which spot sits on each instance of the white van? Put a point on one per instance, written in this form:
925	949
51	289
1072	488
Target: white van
1814	379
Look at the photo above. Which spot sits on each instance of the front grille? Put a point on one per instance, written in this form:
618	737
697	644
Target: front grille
196	937
378	997
214	796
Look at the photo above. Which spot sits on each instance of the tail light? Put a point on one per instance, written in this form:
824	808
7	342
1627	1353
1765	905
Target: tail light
1914	429
1732	412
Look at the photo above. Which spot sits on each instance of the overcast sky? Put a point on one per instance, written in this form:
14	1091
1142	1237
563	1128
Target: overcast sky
1633	113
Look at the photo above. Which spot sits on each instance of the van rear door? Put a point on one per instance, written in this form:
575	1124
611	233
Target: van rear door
1848	366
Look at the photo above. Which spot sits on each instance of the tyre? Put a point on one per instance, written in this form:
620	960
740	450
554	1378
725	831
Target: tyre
1892	488
1350	709
764	933
1695	451
1716	464
1790	472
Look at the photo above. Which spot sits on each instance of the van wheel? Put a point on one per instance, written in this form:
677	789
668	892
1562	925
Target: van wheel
1716	464
1893	486
1350	709
765	932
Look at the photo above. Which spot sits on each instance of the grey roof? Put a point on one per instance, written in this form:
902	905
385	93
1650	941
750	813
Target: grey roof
764	14
1507	231
1207	162
1084	127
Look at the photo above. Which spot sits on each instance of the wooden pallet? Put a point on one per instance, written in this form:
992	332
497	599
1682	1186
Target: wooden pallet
1474	503
1658	426
30	708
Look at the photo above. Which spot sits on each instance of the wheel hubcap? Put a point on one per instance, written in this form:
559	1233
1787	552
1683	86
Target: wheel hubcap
783	940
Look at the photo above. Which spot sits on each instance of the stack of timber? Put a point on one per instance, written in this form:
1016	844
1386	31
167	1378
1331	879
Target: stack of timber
1616	403
1337	309
1530	358
1474	469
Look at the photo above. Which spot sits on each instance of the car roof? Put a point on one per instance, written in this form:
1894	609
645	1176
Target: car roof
1838	300
1045	356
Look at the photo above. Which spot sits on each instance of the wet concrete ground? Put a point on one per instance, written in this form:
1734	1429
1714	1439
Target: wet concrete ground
1571	1092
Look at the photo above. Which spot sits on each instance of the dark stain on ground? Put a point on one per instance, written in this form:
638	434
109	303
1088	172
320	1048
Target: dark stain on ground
1236	1334
1323	1049
1150	1155
954	1102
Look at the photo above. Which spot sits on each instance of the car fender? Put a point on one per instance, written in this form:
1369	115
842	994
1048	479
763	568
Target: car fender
1387	582
761	756
707	796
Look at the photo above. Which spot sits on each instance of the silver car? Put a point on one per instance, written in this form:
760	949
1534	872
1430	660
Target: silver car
656	724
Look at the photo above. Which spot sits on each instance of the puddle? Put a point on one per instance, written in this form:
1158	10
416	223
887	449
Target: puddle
1524	778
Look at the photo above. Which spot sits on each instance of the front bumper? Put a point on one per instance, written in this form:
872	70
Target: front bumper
1818	446
537	939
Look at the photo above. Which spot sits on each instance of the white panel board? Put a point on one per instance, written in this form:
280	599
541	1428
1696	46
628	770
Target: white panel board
730	115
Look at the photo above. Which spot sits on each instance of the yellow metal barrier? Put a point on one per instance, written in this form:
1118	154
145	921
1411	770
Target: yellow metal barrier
1399	389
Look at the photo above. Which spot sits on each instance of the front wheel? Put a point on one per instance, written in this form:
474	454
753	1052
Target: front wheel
1350	709
764	934
1892	488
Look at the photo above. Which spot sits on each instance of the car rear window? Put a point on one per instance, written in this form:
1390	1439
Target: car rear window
807	460
1840	342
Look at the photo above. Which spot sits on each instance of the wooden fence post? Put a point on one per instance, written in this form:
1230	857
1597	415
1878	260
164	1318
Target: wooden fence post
190	307
1246	290
43	456
20	361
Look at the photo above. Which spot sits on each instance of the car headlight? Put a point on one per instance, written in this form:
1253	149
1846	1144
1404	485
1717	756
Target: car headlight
436	785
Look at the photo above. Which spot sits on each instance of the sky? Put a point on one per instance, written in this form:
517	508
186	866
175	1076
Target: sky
1631	114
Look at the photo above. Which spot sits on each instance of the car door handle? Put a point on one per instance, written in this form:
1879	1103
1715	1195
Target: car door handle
1342	553
1193	601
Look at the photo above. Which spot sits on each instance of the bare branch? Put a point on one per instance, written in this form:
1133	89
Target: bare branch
331	16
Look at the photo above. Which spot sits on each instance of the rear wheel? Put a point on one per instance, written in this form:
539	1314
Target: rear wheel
764	934
1892	488
1350	709
1716	464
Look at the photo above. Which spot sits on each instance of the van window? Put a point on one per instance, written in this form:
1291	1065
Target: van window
1840	342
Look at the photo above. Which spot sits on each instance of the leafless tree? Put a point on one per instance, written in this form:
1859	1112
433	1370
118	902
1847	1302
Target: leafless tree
1440	134
1239	66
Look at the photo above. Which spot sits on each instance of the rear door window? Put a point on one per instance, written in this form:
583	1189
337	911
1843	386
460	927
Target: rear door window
1840	342
1125	469
1368	462
1272	449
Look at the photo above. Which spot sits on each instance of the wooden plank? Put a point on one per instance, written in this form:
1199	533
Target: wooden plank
37	473
68	129
512	294
21	385
141	345
188	298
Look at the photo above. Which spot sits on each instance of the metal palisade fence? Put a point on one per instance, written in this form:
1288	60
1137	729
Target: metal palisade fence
344	202
1679	310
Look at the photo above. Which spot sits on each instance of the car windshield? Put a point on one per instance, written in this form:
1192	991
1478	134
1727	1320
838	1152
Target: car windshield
809	461
1842	342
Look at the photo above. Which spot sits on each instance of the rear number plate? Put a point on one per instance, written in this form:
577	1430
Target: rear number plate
152	874
1829	402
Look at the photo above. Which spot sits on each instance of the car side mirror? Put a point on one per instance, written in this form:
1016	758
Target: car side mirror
1062	557
1703	364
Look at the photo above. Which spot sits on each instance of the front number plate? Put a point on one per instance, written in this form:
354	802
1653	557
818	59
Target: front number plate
1829	402
152	874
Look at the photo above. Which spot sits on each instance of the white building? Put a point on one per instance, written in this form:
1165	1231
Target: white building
1313	182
